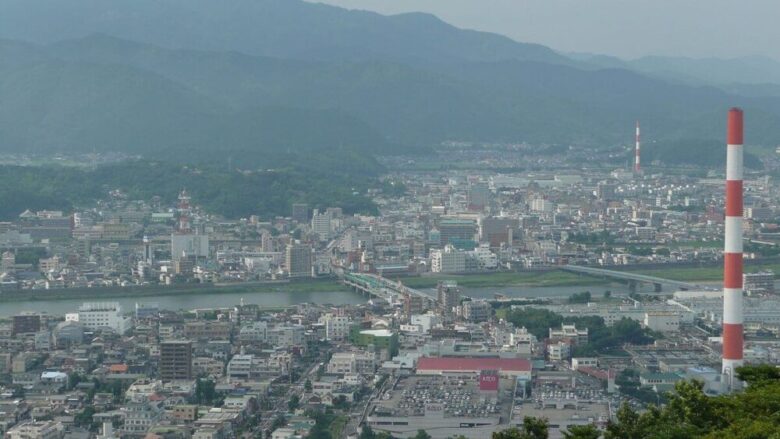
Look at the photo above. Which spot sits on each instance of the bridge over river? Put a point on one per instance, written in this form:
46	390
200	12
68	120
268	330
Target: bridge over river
634	279
378	286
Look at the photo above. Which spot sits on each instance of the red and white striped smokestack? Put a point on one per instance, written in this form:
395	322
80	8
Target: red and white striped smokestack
732	252
637	167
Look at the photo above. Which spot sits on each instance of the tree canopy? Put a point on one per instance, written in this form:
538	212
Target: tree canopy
690	413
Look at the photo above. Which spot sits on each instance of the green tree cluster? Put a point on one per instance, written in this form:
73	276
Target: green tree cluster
583	297
689	414
214	188
601	338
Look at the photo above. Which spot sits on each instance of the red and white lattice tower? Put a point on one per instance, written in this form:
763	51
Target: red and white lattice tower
732	252
637	167
184	213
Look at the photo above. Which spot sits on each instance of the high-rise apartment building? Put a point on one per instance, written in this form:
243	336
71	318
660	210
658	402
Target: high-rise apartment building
448	297
456	230
298	260
25	323
321	224
176	360
479	196
300	212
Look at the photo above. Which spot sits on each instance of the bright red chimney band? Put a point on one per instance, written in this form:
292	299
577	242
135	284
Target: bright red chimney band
732	270
734	198
734	132
732	341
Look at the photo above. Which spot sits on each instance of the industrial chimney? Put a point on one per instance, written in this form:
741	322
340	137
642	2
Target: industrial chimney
637	167
732	253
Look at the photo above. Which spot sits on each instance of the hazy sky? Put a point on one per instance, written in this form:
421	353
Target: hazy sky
626	28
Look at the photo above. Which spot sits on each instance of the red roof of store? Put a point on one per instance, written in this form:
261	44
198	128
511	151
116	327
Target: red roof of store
471	364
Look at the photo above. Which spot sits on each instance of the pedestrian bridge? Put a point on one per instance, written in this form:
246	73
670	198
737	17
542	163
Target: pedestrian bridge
634	279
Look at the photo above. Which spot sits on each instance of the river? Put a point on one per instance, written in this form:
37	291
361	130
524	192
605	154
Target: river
281	299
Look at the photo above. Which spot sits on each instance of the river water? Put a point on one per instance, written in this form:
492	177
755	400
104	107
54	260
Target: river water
281	299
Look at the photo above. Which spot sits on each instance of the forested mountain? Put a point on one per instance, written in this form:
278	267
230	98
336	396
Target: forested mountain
269	79
278	28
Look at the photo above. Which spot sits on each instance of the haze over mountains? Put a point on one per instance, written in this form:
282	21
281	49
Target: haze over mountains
269	78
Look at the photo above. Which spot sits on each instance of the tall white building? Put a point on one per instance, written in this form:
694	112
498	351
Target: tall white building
336	327
448	260
101	315
321	225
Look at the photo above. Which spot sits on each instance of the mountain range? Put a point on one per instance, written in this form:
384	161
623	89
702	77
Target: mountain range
273	80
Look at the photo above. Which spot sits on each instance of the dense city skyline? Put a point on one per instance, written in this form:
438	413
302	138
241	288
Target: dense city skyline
275	219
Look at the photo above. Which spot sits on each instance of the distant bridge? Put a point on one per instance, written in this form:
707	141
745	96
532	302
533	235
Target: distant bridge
634	279
378	286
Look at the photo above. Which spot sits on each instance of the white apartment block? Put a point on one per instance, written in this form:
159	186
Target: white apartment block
448	260
36	430
662	321
336	327
100	315
352	363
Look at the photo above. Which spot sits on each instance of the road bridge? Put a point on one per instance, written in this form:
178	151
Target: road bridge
634	279
378	286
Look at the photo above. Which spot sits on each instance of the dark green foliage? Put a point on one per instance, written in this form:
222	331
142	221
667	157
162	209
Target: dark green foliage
404	81
279	421
392	188
327	425
84	417
293	403
421	434
597	238
690	413
763	250
640	251
582	432
367	433
26	255
341	403
760	375
232	194
601	339
205	392
532	428
536	321
628	381
583	297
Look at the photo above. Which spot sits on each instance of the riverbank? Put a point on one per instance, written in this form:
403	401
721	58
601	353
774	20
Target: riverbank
548	278
703	274
139	291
